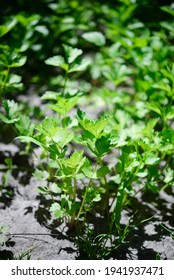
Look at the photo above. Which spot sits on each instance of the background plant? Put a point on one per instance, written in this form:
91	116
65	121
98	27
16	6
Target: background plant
106	130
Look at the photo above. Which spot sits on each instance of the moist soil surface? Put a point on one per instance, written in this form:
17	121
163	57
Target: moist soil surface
32	228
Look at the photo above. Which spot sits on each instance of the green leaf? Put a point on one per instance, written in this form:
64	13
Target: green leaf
168	9
64	105
167	26
92	195
81	115
142	174
20	61
43	190
169	175
95	37
6	120
131	167
87	170
10	107
72	53
57	211
41	175
118	141
85	138
63	137
85	62
74	160
154	106
97	197
89	173
103	145
102	171
67	121
149	128
24	125
55	189
58	61
28	139
49	127
94	127
162	86
13	82
50	95
116	74
4	29
12	59
151	159
42	29
66	203
12	110
116	179
14	79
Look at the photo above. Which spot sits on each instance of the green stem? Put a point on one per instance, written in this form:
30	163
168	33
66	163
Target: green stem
75	189
65	82
82	204
4	83
118	206
84	197
107	189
